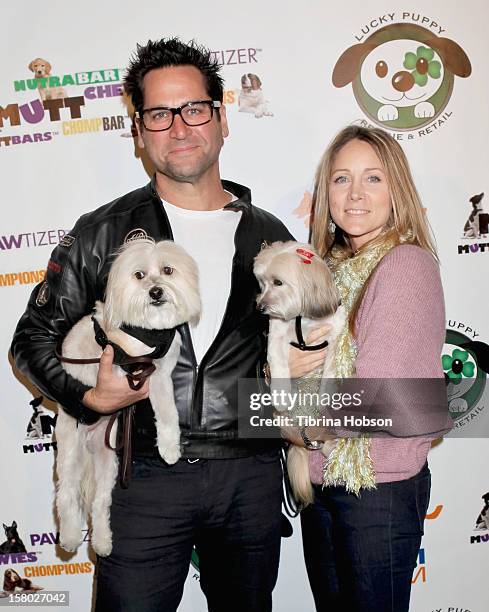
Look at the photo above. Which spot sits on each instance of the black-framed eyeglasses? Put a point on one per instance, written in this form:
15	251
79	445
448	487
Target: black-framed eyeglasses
194	113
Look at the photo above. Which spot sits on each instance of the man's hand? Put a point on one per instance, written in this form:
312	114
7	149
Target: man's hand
111	391
304	362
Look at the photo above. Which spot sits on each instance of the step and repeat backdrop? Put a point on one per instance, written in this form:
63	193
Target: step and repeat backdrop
295	74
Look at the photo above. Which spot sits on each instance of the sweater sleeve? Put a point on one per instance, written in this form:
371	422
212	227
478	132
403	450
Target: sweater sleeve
400	327
400	331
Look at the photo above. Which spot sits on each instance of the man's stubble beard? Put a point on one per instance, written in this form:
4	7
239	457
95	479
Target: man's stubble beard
175	172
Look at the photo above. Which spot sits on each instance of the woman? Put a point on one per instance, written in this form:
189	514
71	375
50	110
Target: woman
361	549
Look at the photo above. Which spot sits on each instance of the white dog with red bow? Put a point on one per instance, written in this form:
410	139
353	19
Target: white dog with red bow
298	293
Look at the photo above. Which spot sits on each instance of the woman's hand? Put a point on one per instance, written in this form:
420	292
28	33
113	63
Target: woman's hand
304	362
292	434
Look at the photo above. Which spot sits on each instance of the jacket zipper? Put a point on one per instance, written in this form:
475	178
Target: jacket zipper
197	367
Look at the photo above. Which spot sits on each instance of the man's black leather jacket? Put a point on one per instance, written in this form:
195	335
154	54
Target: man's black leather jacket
206	397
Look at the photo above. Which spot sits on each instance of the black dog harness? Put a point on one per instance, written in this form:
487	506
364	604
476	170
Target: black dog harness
137	370
301	343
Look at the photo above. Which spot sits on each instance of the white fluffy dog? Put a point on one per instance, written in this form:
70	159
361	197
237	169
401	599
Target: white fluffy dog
296	282
150	286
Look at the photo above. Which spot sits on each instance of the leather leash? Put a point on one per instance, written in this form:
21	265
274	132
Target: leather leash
139	368
124	444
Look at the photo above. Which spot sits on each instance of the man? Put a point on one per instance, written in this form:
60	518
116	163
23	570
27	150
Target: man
224	495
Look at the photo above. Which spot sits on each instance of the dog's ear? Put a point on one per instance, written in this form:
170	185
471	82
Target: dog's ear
454	57
320	296
348	65
31	65
479	350
256	78
48	66
14	524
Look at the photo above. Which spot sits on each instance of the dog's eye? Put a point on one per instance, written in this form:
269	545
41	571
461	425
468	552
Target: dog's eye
277	282
139	274
167	270
381	69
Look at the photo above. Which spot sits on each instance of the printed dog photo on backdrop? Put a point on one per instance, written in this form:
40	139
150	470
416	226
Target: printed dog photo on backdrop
14	583
42	70
297	292
402	75
251	98
477	224
41	422
482	522
13	543
151	289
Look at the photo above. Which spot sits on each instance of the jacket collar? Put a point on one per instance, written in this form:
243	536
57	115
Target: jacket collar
240	191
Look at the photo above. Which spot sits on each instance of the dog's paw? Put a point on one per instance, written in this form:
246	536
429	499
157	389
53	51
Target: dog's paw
388	112
170	455
70	541
424	109
102	545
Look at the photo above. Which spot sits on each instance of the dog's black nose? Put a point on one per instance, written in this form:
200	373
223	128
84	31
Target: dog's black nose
261	307
156	293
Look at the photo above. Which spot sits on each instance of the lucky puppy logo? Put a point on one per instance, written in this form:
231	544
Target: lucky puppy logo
466	364
402	75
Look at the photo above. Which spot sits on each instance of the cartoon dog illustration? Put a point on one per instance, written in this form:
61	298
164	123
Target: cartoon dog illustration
402	71
476	224
251	98
465	371
42	69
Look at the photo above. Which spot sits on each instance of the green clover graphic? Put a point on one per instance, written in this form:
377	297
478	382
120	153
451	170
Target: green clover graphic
422	65
456	366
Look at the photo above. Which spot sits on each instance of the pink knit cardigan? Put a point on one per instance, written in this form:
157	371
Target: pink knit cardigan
400	330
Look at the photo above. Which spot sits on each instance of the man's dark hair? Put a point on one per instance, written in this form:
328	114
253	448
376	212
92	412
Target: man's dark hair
171	52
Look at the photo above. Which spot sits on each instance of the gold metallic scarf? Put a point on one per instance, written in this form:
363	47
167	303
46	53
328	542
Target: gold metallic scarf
349	463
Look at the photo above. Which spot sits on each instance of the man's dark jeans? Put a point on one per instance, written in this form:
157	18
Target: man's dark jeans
361	552
228	508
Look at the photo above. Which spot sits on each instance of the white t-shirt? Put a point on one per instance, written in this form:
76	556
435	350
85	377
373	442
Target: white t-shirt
208	236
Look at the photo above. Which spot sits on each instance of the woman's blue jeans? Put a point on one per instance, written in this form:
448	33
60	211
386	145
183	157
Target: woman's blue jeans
361	552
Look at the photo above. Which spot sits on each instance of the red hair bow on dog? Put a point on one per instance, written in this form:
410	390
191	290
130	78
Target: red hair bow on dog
306	256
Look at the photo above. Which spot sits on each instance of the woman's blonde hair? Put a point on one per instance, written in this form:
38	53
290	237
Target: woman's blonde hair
407	223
